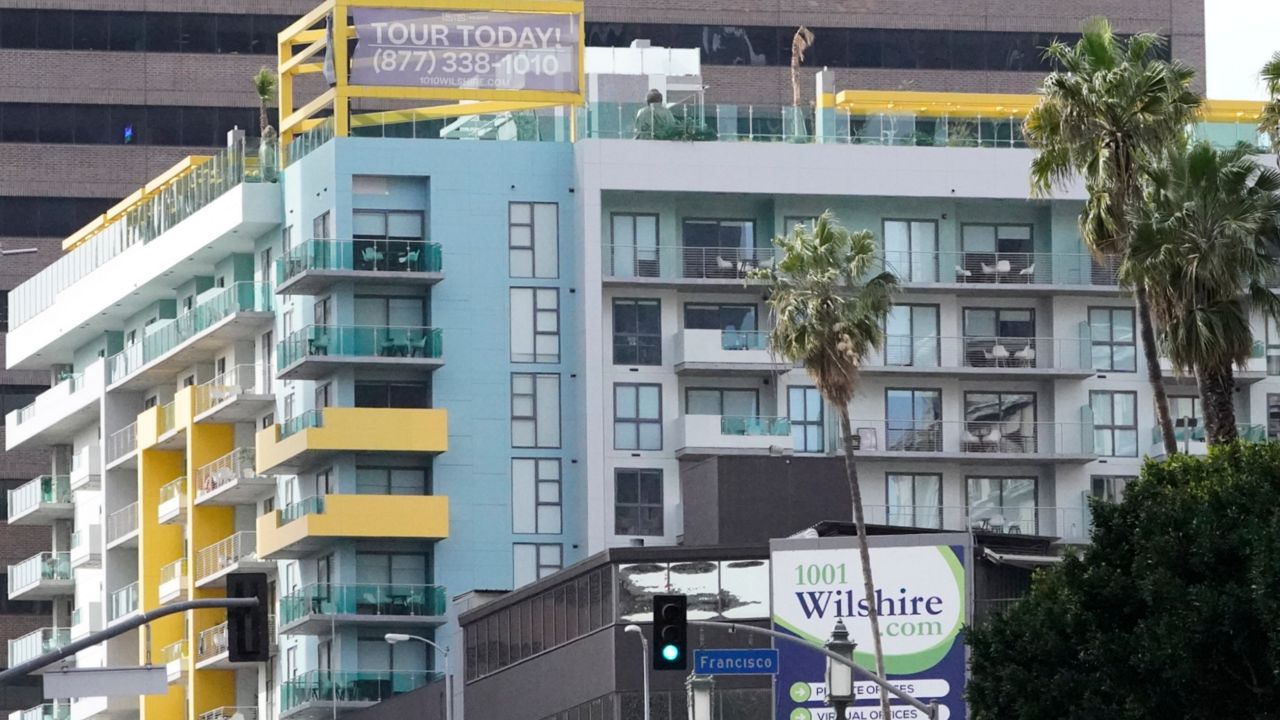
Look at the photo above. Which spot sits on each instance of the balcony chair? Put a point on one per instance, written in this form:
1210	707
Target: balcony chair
410	259
318	344
726	266
991	441
963	275
1028	272
1000	354
970	442
371	257
1026	356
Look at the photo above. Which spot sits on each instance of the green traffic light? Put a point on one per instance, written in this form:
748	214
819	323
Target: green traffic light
670	653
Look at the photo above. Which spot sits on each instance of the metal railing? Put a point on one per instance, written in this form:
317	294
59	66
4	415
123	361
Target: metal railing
124	601
984	352
244	296
360	341
38	567
240	379
67	385
122	522
211	642
122	442
46	489
350	687
174	491
1000	268
1072	523
1009	435
235	465
364	599
147	220
752	425
225	553
674	262
47	711
37	643
313	505
362	255
297	423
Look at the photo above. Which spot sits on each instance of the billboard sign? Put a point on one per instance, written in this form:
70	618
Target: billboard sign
479	50
922	598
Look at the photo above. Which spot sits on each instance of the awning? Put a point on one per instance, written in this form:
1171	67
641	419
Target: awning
1023	561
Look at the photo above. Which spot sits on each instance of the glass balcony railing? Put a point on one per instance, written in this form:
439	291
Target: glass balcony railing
382	600
677	262
985	268
173	573
1197	435
122	442
226	553
297	423
122	523
980	436
310	506
227	713
925	352
237	297
360	255
743	340
322	686
47	711
68	384
754	426
44	490
39	567
124	601
173	652
1070	523
360	341
140	224
34	644
239	380
173	494
229	468
302	146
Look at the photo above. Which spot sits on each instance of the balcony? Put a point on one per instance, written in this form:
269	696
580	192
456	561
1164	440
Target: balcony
240	311
723	269
124	602
713	352
41	501
34	644
700	435
1192	440
317	608
159	426
42	576
174	659
1019	273
59	412
317	436
86	547
173	581
321	693
234	396
184	222
318	350
246	712
312	524
122	447
86	468
984	357
232	480
122	527
212	652
1070	525
173	502
314	266
104	708
975	442
237	553
86	619
47	711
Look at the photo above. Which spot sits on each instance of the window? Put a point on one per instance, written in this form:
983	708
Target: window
634	252
804	409
535	496
320	310
1115	423
149	402
999	422
727	318
535	325
534	561
325	486
288	406
1273	416
388	239
535	410
725	402
534	239
1002	504
996	254
393	394
15	397
392	481
637	332
188	381
322	225
637	502
999	337
637	417
913	420
324	395
913	500
720	248
911	249
394	311
1273	347
268	363
1111	334
911	336
264	265
4	311
1110	488
384	568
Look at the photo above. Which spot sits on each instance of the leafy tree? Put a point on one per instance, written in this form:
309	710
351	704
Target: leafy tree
264	86
1269	122
1110	110
1204	249
1172	612
828	304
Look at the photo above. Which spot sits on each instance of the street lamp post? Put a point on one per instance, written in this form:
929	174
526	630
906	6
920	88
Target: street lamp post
393	638
700	689
644	669
839	675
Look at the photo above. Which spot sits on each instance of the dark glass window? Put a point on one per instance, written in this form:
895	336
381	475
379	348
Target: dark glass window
48	216
128	32
393	394
637	332
92	31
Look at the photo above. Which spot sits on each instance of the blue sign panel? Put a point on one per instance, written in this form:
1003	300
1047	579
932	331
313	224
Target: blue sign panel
735	662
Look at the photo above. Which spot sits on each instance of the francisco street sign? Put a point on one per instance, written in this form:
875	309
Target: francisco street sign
735	662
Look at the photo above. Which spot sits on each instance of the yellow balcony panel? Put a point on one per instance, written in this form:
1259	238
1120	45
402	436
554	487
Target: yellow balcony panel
302	528
314	437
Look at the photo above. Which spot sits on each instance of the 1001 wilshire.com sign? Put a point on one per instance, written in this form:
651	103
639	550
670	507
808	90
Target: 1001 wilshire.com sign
481	49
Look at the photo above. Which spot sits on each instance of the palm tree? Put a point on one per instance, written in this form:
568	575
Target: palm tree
1110	109
828	306
800	43
1269	122
264	84
1205	241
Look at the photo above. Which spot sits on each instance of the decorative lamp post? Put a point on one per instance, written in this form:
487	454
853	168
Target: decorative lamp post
700	689
840	675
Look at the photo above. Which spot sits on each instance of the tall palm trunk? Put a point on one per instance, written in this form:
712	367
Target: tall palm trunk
263	119
864	551
1217	385
1154	376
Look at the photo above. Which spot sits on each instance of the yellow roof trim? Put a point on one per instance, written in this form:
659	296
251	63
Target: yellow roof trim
490	107
146	192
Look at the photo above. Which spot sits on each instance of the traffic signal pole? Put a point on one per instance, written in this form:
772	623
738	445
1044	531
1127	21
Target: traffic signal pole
120	628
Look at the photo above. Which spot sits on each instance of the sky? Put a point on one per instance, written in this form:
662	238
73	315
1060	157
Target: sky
1240	36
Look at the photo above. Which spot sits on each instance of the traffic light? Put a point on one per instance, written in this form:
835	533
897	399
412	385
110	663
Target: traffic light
670	632
248	634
